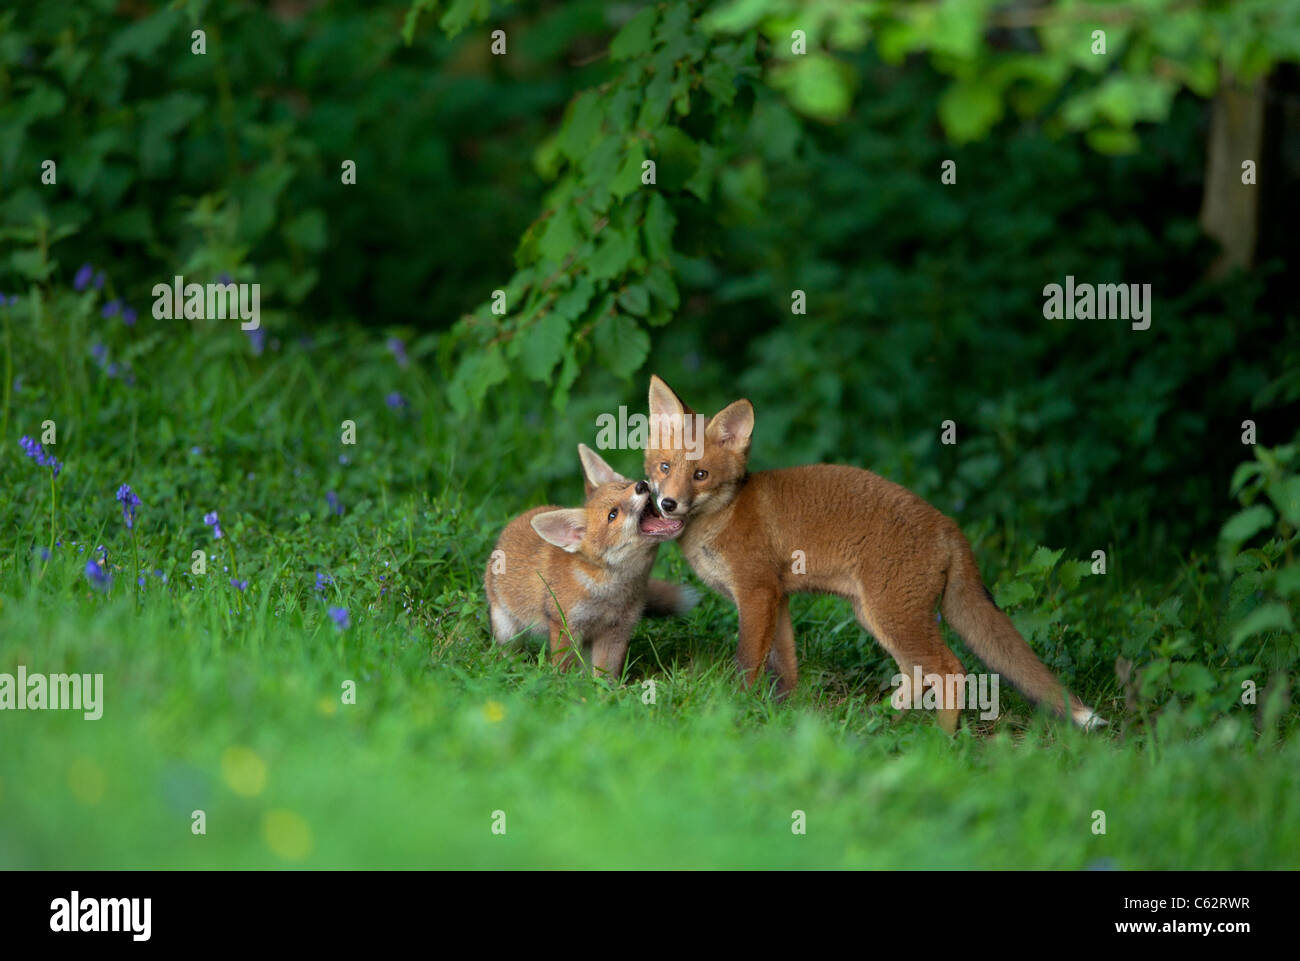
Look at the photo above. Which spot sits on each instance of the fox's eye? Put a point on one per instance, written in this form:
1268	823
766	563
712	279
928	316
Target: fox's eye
701	474
664	467
613	513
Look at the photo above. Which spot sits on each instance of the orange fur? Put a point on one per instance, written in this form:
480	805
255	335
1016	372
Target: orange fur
862	537
581	576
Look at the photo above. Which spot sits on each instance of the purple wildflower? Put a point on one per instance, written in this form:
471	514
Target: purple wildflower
399	351
99	578
129	501
395	400
339	615
257	340
111	308
82	280
323	581
128	316
211	520
37	453
241	585
100	353
332	499
99	280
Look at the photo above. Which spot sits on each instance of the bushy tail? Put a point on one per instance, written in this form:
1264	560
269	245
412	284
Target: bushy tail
663	599
968	607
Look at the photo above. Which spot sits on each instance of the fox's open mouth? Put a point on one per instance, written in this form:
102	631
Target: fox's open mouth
654	524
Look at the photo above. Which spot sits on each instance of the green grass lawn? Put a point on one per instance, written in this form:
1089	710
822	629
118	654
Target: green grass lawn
230	701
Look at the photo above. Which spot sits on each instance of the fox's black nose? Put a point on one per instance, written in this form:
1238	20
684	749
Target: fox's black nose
642	487
668	505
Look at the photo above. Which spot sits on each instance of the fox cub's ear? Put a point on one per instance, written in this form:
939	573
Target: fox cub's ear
663	402
596	471
732	426
562	528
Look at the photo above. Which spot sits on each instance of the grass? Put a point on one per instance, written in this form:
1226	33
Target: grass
233	703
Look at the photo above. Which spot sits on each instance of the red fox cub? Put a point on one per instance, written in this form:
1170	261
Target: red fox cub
594	560
757	538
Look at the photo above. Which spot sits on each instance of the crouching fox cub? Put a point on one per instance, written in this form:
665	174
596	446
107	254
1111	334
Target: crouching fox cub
585	567
858	535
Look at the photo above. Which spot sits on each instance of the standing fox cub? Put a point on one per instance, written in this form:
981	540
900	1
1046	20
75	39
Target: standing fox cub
860	536
594	561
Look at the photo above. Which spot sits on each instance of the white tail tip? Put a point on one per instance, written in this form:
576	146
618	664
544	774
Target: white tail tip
1088	719
688	597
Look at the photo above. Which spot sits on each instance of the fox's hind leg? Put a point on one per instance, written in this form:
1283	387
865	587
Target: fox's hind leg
781	659
914	640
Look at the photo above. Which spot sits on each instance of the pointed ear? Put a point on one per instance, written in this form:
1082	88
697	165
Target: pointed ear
595	471
732	426
562	528
663	402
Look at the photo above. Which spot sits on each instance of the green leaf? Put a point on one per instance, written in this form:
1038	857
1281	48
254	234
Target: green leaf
635	300
542	345
635	39
612	256
1112	142
307	230
1285	496
1188	678
1242	474
1042	562
1244	525
658	228
659	281
1016	592
969	109
1072	572
478	371
628	178
1274	616
817	85
621	345
581	127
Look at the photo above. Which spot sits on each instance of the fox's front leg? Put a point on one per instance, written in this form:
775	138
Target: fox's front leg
562	655
759	609
609	651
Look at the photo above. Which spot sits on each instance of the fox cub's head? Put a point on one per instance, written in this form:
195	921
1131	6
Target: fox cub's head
618	522
695	464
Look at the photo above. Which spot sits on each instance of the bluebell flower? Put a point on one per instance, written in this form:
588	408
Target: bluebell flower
129	501
128	316
339	615
99	578
82	280
257	340
323	581
332	499
37	453
111	308
242	585
399	351
395	400
211	520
